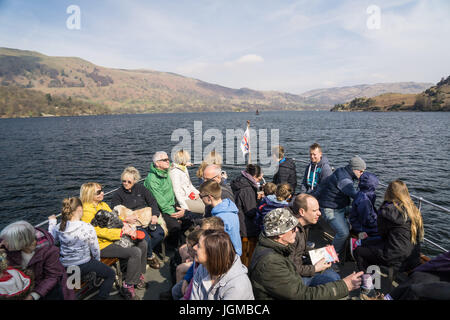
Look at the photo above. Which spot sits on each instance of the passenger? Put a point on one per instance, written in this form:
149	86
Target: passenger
212	158
210	193
273	274
287	172
269	188
214	172
135	196
78	242
186	194
400	226
306	209
186	271
280	199
178	220
221	275
14	284
91	195
245	189
212	223
334	200
363	216
316	172
33	250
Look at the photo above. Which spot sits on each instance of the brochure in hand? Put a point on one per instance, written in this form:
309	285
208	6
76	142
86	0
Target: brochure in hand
328	252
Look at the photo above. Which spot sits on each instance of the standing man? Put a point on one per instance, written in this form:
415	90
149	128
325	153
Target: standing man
306	209
316	172
335	197
286	169
272	273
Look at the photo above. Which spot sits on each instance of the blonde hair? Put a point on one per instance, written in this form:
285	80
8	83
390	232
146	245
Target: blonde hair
284	191
181	157
212	158
278	151
87	191
398	194
131	171
69	206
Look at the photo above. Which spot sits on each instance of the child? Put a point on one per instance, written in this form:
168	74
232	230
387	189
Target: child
78	241
270	202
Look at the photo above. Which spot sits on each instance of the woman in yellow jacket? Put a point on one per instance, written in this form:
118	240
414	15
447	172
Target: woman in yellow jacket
91	194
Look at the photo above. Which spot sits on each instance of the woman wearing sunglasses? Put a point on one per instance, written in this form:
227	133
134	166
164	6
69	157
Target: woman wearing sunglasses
91	195
135	196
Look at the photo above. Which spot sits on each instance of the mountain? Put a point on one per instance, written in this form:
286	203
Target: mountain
435	98
131	91
331	96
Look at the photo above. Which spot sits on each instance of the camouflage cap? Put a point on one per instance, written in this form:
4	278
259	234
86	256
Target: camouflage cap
279	221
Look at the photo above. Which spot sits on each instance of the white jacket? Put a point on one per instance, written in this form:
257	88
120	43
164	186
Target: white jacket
77	242
181	184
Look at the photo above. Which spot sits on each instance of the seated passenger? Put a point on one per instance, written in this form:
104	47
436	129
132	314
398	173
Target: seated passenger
211	158
400	226
269	188
287	173
306	209
33	249
221	275
178	220
214	172
78	241
210	193
186	194
135	196
273	274
91	195
280	199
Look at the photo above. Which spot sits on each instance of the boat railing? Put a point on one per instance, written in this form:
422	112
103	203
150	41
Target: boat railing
420	201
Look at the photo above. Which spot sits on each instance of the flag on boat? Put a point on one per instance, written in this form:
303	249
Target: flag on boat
245	146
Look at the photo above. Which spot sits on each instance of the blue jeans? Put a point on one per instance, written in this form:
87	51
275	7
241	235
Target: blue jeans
326	276
153	238
338	222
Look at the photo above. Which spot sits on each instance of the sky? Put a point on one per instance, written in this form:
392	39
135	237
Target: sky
289	46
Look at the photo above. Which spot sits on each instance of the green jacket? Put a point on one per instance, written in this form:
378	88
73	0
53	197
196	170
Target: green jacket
160	185
273	276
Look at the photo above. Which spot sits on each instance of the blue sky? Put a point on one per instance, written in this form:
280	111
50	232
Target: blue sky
291	46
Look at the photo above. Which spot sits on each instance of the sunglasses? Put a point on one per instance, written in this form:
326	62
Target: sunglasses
98	192
127	181
166	160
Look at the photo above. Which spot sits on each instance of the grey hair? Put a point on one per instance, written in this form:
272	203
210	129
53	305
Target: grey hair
217	170
159	155
131	171
18	235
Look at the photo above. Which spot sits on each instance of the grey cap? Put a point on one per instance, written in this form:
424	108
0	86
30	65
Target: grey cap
279	221
357	163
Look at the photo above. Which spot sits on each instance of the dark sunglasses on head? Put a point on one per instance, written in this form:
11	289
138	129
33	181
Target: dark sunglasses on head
98	192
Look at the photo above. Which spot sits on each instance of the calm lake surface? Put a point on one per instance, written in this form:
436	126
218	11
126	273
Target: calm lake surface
44	160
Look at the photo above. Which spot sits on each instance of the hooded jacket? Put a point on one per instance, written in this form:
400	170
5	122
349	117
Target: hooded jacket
266	205
160	185
245	197
45	265
363	216
274	277
286	173
315	174
227	193
397	249
228	212
338	189
233	285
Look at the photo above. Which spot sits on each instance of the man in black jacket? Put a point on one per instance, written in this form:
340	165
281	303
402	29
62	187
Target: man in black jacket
286	169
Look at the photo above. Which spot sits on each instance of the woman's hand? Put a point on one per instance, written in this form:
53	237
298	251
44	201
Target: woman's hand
154	220
52	217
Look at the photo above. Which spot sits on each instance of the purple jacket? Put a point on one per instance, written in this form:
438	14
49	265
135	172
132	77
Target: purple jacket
439	265
45	264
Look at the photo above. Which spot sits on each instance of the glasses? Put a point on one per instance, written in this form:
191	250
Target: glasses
98	192
211	178
203	195
165	160
127	181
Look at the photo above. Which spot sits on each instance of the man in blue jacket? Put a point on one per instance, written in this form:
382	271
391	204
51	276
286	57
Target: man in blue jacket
334	199
316	172
211	195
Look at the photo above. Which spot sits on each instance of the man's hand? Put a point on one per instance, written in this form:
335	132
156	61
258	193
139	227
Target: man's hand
321	265
154	220
179	214
353	281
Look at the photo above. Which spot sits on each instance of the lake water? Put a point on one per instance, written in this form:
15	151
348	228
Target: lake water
47	159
